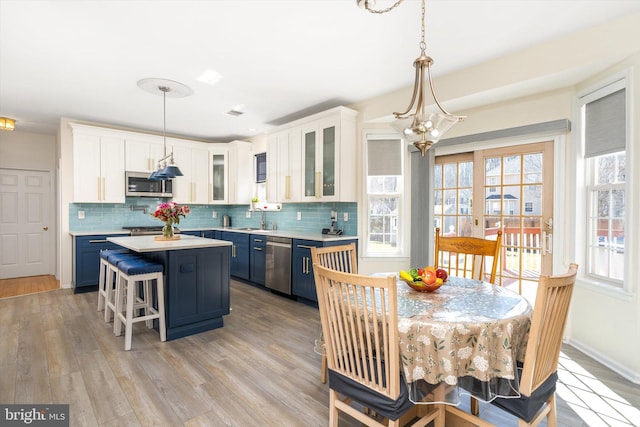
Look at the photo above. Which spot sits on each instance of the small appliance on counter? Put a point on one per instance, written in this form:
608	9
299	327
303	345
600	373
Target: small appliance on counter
332	231
226	221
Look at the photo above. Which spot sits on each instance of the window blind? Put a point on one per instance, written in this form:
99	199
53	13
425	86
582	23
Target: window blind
605	125
383	157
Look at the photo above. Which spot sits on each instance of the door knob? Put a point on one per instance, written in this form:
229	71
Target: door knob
45	228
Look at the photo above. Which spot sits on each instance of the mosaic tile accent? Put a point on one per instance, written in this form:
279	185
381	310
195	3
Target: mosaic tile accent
314	216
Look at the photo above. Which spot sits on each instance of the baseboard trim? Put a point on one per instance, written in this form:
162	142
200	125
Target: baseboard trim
622	370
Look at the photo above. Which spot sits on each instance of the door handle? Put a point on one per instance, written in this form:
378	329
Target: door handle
45	228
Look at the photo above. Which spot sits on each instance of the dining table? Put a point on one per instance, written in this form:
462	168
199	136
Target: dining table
465	338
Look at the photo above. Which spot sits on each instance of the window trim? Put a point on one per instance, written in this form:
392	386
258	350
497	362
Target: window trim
615	82
403	241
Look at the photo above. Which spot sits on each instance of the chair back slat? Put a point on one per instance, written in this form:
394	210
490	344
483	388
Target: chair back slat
360	327
341	258
549	318
467	256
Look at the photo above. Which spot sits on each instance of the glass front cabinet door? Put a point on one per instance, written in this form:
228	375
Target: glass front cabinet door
219	185
320	141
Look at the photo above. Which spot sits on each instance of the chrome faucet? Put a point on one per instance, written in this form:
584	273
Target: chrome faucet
263	219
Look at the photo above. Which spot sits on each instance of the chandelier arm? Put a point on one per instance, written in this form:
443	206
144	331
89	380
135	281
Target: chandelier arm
413	97
380	11
435	97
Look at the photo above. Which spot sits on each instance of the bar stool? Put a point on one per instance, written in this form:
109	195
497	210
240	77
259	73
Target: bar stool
102	280
112	258
129	301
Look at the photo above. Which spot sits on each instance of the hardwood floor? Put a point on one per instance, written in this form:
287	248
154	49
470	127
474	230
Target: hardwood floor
27	285
258	370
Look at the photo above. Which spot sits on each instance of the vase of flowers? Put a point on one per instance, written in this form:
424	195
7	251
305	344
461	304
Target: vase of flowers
170	214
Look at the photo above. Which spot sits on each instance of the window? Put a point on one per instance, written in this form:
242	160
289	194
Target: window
528	207
453	189
385	195
605	130
261	167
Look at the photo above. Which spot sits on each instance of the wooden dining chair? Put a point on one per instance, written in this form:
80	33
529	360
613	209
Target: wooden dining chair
467	256
341	258
538	373
359	317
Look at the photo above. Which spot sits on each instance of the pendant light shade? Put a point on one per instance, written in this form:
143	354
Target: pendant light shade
166	168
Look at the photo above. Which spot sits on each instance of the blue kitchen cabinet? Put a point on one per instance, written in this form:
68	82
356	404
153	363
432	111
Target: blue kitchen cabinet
239	255
257	258
86	251
196	288
192	233
304	285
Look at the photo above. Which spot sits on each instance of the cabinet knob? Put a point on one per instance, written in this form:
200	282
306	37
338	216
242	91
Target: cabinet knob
45	228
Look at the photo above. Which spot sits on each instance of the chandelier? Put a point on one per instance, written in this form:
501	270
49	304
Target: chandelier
166	168
423	128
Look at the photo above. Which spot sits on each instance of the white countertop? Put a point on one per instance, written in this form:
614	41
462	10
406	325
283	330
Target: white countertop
149	244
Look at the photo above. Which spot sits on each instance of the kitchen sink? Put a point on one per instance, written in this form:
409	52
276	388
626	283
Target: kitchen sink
252	229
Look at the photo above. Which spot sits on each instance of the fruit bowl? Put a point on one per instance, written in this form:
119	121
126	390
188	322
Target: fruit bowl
422	287
426	279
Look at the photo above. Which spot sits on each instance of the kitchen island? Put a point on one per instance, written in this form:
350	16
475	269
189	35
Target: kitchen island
196	280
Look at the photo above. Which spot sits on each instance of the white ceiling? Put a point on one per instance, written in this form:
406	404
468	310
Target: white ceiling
281	59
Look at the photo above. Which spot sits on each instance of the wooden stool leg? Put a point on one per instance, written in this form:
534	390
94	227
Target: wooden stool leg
161	319
102	284
128	325
119	299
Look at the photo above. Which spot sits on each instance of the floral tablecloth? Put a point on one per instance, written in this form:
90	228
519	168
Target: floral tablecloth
464	338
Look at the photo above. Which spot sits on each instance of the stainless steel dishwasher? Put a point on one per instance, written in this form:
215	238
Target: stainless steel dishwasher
278	264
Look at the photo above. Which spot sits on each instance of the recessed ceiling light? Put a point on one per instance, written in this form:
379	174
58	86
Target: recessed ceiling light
210	77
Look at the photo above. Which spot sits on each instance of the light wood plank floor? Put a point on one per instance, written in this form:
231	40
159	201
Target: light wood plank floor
258	370
27	285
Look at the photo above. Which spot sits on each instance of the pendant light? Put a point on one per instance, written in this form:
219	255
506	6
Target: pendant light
422	128
166	168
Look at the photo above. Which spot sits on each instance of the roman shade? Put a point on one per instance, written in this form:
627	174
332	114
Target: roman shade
605	127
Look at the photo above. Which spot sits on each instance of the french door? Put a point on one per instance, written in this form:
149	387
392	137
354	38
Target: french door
508	189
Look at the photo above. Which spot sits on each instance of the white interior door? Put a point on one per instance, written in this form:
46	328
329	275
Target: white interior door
24	223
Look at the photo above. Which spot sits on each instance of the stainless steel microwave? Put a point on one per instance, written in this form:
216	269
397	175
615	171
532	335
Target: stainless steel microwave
138	185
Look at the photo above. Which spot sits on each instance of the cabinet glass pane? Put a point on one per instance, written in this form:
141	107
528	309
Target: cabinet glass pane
310	164
328	161
218	177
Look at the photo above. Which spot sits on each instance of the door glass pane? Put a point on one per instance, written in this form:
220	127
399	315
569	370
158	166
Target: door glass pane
453	182
492	170
310	164
450	175
218	177
328	161
512	169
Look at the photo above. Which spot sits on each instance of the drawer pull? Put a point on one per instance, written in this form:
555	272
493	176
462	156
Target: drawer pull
305	246
98	241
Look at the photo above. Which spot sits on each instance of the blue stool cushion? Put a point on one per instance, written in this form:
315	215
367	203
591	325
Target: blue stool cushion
106	252
134	267
115	258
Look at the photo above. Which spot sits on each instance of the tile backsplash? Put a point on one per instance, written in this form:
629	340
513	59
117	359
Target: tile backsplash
313	216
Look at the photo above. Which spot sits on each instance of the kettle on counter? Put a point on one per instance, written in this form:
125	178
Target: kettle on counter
226	221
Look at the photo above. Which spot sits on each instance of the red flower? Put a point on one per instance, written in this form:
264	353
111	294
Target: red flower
171	212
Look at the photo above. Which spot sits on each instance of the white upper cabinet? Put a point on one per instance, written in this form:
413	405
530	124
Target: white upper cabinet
98	165
313	159
193	160
142	154
283	166
231	167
